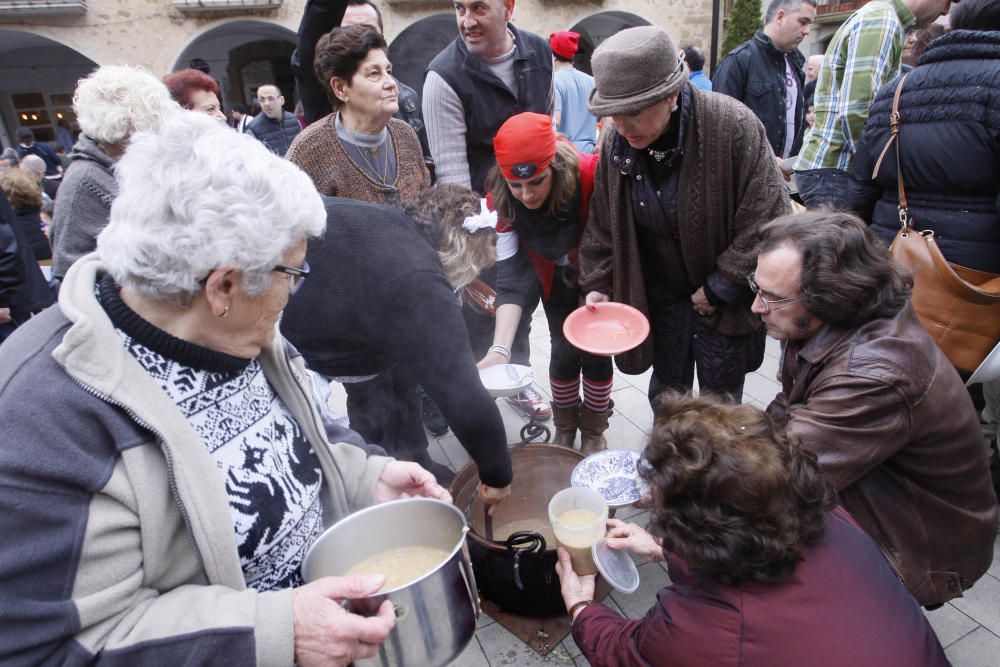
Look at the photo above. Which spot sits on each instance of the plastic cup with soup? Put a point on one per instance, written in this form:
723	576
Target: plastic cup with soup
578	517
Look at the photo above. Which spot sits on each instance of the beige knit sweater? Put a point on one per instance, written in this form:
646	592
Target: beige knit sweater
318	152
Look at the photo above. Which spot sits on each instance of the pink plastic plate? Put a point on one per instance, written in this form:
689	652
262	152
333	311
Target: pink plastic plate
607	328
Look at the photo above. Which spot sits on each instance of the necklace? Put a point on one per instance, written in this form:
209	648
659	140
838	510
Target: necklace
660	156
364	152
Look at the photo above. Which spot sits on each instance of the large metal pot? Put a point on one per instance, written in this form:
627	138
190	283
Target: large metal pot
517	572
435	615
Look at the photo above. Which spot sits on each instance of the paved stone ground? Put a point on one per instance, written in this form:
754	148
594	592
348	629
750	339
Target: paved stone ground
968	628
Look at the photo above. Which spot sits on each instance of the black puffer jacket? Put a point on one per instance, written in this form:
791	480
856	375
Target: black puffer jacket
950	143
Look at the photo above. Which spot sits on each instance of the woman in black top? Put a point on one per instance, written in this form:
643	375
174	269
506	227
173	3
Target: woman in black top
541	189
380	314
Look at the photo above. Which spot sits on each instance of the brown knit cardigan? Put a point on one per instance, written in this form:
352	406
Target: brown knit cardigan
729	185
318	152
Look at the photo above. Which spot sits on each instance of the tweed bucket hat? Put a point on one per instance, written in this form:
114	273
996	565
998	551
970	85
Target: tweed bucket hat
634	69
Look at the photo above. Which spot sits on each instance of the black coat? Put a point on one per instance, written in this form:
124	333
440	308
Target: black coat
754	73
950	143
376	298
11	266
29	218
34	294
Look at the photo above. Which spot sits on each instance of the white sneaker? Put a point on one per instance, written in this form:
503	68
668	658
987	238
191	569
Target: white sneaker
529	402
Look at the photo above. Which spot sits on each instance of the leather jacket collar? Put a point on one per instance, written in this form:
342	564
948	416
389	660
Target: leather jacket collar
823	342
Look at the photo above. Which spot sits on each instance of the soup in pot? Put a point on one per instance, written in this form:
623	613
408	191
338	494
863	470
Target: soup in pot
540	526
401	566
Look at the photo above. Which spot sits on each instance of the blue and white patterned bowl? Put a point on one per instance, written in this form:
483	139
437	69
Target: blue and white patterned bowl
613	473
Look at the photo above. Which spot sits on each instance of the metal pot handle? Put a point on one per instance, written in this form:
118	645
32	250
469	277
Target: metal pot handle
470	579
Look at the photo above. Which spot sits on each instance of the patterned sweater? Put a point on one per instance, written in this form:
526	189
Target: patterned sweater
318	152
271	473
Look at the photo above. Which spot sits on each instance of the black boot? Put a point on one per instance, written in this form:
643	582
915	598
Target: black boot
433	419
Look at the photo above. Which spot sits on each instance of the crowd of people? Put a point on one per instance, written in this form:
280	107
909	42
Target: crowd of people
176	298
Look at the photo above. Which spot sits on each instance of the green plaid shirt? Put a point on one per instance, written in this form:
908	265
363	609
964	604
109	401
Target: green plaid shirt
863	55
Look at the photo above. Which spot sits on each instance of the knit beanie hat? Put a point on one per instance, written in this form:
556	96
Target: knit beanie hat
565	43
525	145
634	69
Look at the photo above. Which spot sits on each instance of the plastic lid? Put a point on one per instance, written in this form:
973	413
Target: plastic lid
616	567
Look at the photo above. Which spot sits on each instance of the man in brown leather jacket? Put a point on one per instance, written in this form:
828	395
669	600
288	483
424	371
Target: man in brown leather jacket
866	388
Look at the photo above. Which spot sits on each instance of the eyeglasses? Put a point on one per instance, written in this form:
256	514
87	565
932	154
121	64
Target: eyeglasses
770	304
298	275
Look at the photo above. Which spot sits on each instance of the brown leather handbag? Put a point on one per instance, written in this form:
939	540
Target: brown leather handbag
958	306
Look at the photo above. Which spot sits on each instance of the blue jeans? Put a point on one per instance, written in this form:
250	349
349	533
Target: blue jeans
820	188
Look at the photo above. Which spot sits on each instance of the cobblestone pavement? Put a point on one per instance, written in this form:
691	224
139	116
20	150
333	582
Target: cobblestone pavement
968	628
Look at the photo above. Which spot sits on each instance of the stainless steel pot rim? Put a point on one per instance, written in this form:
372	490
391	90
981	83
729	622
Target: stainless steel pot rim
388	504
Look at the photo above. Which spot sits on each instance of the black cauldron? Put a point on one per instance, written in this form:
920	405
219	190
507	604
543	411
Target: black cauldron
516	571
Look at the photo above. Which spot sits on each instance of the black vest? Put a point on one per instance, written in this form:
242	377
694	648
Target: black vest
487	101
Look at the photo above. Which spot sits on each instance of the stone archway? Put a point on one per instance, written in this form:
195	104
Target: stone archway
598	27
36	88
243	55
415	47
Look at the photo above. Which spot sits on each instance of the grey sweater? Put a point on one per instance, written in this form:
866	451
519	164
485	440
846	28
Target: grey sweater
83	206
118	539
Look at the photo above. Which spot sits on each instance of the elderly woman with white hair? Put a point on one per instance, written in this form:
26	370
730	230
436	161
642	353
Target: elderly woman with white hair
111	105
163	466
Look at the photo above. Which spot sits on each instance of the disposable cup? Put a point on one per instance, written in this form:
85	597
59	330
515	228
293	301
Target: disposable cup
578	517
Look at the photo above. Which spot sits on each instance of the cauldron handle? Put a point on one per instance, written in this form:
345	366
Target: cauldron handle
532	431
523	541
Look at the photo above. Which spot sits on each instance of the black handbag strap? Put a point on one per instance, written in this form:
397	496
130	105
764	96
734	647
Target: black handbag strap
894	124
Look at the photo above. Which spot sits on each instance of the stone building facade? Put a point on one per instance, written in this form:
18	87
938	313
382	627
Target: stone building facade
47	45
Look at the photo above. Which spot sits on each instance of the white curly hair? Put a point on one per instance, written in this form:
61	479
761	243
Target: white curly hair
116	101
197	196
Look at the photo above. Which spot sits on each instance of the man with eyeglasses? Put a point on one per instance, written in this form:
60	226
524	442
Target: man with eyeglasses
867	390
274	127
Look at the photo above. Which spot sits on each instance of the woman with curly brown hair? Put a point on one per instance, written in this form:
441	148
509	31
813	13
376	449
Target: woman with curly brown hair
764	570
